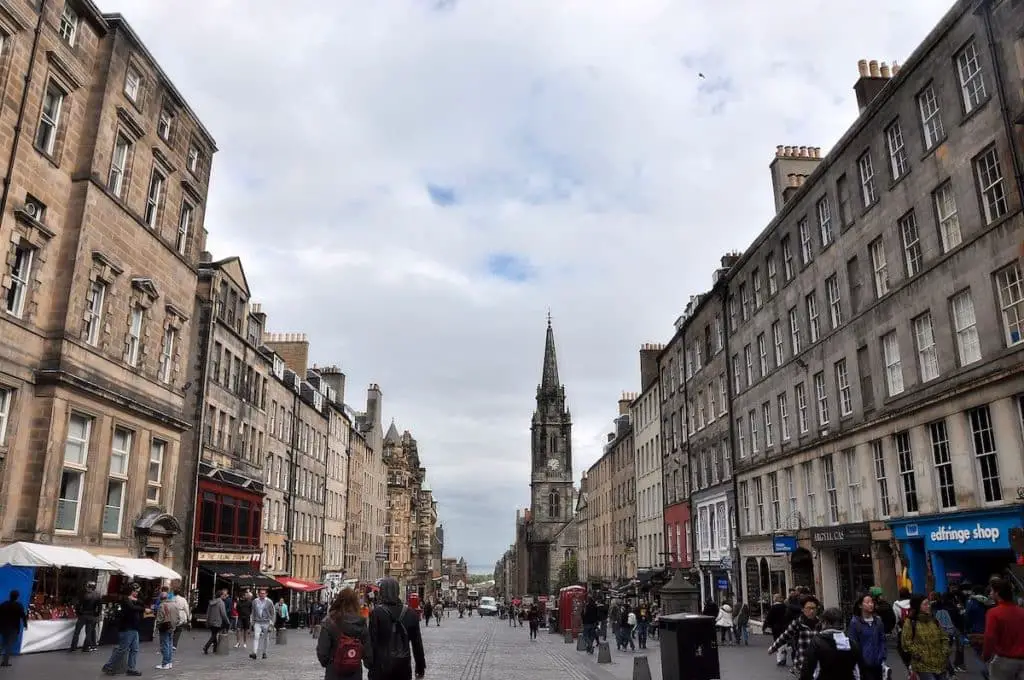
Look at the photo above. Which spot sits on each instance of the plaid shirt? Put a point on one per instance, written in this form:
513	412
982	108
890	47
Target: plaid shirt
799	633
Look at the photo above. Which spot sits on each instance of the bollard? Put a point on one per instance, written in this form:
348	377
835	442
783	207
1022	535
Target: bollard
641	668
568	637
604	653
223	645
581	643
282	636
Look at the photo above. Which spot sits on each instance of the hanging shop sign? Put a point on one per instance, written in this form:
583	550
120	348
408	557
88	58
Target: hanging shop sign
784	544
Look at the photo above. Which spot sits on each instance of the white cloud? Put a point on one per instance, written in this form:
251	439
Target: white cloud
574	134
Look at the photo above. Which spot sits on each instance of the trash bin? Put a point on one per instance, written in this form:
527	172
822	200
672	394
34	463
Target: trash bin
689	649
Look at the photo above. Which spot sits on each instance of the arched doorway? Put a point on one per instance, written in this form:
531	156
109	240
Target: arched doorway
803	568
753	578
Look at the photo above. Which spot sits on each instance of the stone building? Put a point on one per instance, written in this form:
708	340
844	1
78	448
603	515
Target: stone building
645	413
675	463
879	441
277	469
101	214
583	528
221	468
423	542
370	549
338	443
355	567
403	463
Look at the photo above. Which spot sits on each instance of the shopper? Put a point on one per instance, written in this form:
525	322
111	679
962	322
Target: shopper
343	647
216	621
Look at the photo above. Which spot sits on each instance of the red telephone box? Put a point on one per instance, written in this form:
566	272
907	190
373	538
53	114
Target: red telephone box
571	601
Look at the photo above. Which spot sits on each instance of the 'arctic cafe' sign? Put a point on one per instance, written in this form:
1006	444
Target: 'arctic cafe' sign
841	536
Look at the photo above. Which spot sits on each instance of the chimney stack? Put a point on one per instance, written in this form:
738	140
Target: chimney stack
649	364
790	169
872	82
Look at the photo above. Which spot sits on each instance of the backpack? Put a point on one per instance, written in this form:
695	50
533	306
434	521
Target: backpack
348	654
397	648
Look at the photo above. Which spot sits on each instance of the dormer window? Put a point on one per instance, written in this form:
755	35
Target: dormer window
279	367
132	84
164	125
68	24
193	160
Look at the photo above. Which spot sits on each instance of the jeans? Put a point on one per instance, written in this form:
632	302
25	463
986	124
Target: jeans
127	643
177	635
89	623
742	633
166	646
7	641
212	642
534	627
260	633
1006	669
589	636
641	635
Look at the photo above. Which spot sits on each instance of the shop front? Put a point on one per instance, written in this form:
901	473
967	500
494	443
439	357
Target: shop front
764	568
845	563
961	547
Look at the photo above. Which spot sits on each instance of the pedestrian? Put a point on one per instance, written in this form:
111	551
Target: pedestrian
724	623
88	608
867	630
394	630
591	619
262	620
1003	646
343	646
439	612
533	617
741	622
243	619
428	612
184	615
129	620
831	655
643	621
283	616
924	641
12	619
166	620
799	632
216	620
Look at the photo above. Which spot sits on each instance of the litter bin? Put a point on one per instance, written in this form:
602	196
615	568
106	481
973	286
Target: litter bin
689	649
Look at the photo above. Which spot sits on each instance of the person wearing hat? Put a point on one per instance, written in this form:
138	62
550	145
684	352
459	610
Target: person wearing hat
129	621
884	609
87	609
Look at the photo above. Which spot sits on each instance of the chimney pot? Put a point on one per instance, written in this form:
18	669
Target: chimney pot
862	67
779	151
873	68
803	152
886	73
817	152
789	152
895	68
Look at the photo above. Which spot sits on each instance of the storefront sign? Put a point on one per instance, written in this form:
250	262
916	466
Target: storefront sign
969	531
227	557
784	544
842	536
723	584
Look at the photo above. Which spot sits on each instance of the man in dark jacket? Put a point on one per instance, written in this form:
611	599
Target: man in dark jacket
830	653
128	623
87	609
391	659
12	617
216	620
591	619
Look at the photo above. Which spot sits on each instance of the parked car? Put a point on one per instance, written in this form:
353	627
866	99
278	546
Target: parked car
487	607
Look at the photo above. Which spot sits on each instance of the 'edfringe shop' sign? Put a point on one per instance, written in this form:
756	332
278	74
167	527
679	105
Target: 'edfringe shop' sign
978	533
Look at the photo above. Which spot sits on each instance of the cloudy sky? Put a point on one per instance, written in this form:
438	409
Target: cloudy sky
414	183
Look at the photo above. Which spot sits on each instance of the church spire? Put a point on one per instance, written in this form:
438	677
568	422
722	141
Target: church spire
549	378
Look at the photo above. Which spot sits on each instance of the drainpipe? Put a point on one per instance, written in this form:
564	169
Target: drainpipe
22	106
985	10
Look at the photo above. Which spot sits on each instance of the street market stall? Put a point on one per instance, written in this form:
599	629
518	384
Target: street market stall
150	575
49	578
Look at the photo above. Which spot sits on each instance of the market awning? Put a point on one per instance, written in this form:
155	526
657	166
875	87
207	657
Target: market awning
141	567
298	584
239	574
24	554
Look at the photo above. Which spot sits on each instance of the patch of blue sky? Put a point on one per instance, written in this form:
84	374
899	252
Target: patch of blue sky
510	267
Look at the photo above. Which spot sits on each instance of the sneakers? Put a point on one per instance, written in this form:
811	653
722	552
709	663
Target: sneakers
164	666
264	655
253	655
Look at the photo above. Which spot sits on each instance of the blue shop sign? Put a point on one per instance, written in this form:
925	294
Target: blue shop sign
961	531
723	584
784	544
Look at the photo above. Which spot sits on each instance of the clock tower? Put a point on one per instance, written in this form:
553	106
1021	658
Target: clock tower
551	485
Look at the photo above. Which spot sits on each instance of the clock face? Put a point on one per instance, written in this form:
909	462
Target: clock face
554	465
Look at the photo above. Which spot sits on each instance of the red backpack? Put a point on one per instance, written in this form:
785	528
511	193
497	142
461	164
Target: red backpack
348	655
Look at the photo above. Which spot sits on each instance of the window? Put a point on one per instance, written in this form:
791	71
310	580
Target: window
135	335
184	227
821	395
737	381
6	396
794	330
835	305
745	505
132	84
192	163
119	165
739	435
845	203
1010	289
897	151
787	258
825	222
755	440
748	360
167	356
775	516
931	117
809	488
972	83
94	315
843	387
155	471
154	196
801	407
49	118
777	341
759	502
927	356
773	274
21	277
983	439
769	430
744	301
943	461
792	508
893	366
949	220
164	125
856	508
912	257
723	395
68	24
758	297
878	264
806	250
784	416
828	472
719	334
881	478
76	455
866	168
812	317
732	312
990	185
966	327
762	351
120	451
908	478
113	507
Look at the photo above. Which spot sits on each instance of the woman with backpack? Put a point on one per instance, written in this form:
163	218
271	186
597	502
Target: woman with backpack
925	642
343	647
395	636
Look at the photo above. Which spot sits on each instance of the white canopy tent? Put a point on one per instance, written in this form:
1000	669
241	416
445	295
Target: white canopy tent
137	567
24	554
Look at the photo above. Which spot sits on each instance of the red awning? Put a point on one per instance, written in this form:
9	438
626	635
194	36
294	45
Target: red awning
298	584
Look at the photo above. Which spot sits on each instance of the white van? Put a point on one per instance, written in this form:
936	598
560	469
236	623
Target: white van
488	607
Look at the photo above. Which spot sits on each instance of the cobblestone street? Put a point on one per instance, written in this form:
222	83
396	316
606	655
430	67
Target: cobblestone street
461	649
